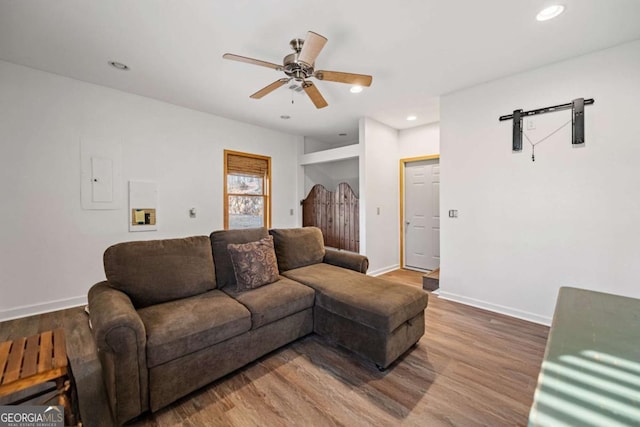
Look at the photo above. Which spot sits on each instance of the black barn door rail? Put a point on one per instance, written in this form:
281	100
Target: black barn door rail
577	117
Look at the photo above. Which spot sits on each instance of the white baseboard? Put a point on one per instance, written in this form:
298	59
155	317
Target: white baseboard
45	307
383	270
525	315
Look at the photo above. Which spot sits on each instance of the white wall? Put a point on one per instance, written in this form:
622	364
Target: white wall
572	217
333	173
50	249
382	147
419	141
379	183
313	145
311	170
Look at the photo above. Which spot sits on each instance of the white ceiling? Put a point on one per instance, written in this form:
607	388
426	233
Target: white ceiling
415	49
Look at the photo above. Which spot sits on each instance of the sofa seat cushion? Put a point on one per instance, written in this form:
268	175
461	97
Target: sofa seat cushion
183	326
274	301
371	301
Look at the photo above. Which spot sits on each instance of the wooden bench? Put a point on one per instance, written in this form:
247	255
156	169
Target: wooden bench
30	361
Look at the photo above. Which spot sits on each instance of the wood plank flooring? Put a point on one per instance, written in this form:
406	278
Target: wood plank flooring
471	367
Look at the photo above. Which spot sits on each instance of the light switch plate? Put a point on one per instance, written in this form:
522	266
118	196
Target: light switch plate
531	125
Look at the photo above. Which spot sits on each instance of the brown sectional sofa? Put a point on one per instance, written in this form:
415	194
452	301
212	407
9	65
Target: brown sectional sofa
169	319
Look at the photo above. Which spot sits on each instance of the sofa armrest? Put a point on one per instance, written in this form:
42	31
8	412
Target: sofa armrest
350	260
121	340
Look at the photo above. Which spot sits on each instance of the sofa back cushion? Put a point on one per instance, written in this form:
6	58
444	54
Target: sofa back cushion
157	271
225	275
297	247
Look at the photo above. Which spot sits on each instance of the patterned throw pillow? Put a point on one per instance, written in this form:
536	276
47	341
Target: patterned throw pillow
254	263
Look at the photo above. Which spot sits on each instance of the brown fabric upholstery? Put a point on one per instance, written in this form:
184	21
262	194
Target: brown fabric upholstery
157	271
254	263
377	303
176	378
177	328
350	260
382	348
274	301
297	247
121	341
219	240
167	332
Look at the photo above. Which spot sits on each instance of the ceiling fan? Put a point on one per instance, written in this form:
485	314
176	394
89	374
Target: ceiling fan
300	65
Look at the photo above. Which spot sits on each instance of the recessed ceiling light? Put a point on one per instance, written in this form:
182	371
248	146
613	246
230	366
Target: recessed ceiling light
411	118
550	12
119	65
355	89
285	117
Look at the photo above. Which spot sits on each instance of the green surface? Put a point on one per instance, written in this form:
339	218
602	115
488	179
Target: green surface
590	374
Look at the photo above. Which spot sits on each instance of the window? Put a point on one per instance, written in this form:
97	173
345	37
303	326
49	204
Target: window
247	190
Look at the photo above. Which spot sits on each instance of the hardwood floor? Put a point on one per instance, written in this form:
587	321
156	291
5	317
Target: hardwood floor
405	277
471	367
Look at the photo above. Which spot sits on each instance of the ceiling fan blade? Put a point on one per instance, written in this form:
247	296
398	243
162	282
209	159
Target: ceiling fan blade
239	58
270	88
314	94
349	78
311	48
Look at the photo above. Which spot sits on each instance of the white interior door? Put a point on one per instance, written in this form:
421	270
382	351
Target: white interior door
422	214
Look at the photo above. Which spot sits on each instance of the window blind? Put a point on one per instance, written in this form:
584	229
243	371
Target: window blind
246	165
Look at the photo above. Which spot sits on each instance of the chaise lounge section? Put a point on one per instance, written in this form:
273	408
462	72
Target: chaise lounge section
375	318
170	318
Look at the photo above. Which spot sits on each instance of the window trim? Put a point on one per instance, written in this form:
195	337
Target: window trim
266	186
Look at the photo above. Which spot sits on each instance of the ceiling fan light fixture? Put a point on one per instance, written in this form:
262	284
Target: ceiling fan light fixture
412	117
550	12
300	66
355	89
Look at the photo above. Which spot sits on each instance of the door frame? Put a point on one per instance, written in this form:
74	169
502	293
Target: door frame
403	163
